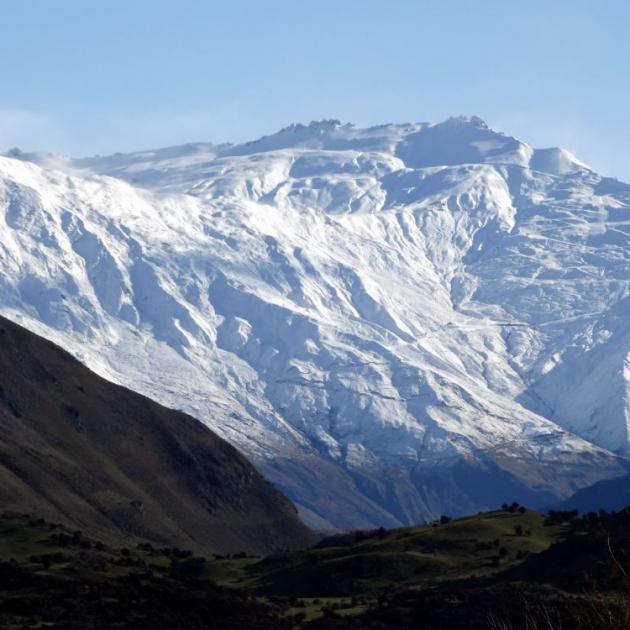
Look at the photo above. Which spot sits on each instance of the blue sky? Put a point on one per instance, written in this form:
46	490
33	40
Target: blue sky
88	76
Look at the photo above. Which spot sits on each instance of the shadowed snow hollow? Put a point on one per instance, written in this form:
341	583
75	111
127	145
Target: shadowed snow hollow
393	322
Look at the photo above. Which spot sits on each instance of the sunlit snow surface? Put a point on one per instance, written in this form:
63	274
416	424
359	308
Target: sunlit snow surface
392	322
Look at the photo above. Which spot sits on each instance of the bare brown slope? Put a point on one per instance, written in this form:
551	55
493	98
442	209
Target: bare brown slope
96	456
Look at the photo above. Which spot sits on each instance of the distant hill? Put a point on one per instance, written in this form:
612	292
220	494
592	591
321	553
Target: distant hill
95	456
609	494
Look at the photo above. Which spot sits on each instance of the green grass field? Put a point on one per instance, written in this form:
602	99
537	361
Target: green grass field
475	546
344	573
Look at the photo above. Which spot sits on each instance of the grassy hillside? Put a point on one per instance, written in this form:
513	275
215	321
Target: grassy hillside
56	578
78	449
492	570
370	562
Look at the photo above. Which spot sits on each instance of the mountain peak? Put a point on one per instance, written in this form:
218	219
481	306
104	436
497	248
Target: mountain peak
314	125
341	302
462	120
557	161
457	140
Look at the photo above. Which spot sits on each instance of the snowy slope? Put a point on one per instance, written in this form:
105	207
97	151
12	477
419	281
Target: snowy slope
392	322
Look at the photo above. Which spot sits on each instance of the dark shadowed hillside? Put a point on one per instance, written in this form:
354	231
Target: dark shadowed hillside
77	449
609	494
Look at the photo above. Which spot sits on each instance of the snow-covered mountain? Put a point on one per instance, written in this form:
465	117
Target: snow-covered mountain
393	322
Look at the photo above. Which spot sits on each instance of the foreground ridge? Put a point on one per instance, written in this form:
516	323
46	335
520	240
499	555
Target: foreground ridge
92	455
